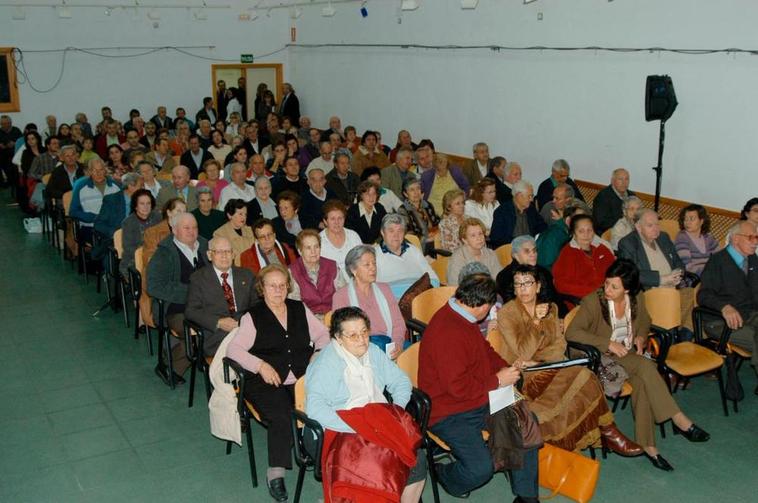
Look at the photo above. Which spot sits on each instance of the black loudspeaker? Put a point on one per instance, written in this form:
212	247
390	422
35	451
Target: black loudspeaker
660	98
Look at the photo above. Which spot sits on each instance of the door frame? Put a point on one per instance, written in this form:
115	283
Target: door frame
278	67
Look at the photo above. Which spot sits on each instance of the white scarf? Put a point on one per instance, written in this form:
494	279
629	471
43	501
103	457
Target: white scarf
381	301
626	341
359	379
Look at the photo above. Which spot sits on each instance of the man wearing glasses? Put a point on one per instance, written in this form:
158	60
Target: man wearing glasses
730	285
219	295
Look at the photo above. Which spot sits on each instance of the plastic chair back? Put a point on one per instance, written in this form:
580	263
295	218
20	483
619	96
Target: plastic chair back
414	240
300	394
440	267
408	362
606	236
46	178
427	303
664	307
328	319
569	318
67	201
495	338
118	242
138	259
670	227
504	255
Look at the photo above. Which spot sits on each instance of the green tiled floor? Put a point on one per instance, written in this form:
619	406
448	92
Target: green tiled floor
83	418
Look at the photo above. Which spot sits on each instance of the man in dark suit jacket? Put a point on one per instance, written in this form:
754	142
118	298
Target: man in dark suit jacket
61	176
195	156
313	199
180	187
560	174
730	285
207	112
161	119
221	99
290	105
516	217
608	205
207	303
505	175
341	181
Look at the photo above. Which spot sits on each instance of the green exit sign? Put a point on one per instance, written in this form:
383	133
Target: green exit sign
246	58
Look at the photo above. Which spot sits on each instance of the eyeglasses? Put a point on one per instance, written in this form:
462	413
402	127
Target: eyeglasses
355	336
525	284
266	236
221	252
753	238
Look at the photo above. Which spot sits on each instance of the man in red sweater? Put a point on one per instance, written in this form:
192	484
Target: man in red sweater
457	369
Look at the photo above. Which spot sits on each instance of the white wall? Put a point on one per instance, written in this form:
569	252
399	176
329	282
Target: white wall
164	78
537	106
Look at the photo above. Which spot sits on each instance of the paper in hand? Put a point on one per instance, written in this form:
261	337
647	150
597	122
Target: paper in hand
501	398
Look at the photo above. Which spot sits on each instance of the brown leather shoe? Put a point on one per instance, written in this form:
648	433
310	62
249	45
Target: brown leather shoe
617	442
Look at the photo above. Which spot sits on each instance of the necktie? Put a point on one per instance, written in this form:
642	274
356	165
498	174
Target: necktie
228	294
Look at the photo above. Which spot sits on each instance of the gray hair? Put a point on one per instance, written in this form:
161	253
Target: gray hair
66	148
409	182
213	243
237	164
521	187
94	162
204	189
262	179
472	268
519	241
479	145
354	255
315	168
340	153
561	165
641	213
567	189
177	218
393	219
130	179
628	200
181	167
735	229
509	166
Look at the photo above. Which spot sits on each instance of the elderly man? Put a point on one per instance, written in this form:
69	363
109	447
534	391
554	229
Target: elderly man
253	143
395	175
398	262
304	129
551	240
655	256
266	249
312	148
194	158
457	369
177	257
116	207
312	201
204	130
324	161
219	294
335	126
337	146
516	217
181	115
51	127
87	197
291	179
730	285
560	174
180	187
238	189
110	136
563	196
161	119
505	175
342	181
478	167
290	105
404	139
208	218
65	174
607	206
161	158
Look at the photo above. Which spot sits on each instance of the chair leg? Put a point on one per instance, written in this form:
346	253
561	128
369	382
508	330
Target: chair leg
432	473
720	376
662	426
166	343
299	486
228	447
592	452
193	374
124	305
149	337
626	401
207	379
616	402
251	454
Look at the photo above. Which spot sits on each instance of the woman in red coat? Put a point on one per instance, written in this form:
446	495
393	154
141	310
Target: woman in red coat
581	265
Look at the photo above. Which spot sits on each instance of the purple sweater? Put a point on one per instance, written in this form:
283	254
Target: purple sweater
693	257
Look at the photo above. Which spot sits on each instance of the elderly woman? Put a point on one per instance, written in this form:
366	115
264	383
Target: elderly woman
453	202
208	217
398	262
365	216
369	154
376	299
288	224
581	266
142	216
351	373
483	202
274	343
615	321
336	240
149	181
524	252
625	224
317	277
239	234
261	206
474	249
266	249
694	243
387	198
569	402
420	216
212	169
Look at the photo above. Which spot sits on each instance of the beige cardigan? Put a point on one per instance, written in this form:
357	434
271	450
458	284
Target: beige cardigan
463	256
239	243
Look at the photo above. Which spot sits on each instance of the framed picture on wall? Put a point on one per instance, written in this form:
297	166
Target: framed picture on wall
8	83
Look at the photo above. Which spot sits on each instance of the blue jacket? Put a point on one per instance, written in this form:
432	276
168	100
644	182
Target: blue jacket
112	214
87	200
504	222
327	392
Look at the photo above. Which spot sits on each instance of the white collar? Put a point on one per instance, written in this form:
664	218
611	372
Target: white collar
362	210
189	252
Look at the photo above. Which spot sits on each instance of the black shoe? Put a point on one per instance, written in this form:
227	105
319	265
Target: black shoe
177	378
693	434
162	372
277	490
660	462
437	467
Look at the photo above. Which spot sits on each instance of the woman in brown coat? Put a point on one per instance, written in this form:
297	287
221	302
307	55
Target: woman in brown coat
615	321
569	402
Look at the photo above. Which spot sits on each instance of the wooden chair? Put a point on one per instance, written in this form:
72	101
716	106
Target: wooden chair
427	303
504	255
194	340
301	423
414	240
496	341
440	267
685	359
135	284
670	227
202	176
606	236
328	319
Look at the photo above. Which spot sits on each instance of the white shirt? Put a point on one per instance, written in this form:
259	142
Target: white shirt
328	250
363	213
409	266
483	213
232	191
189	253
228	280
319	162
482	169
390	201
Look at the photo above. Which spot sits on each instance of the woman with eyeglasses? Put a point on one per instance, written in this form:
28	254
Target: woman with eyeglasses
349	375
569	402
274	344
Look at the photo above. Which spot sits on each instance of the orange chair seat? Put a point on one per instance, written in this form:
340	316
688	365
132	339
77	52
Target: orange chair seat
253	411
744	353
209	360
626	389
688	359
